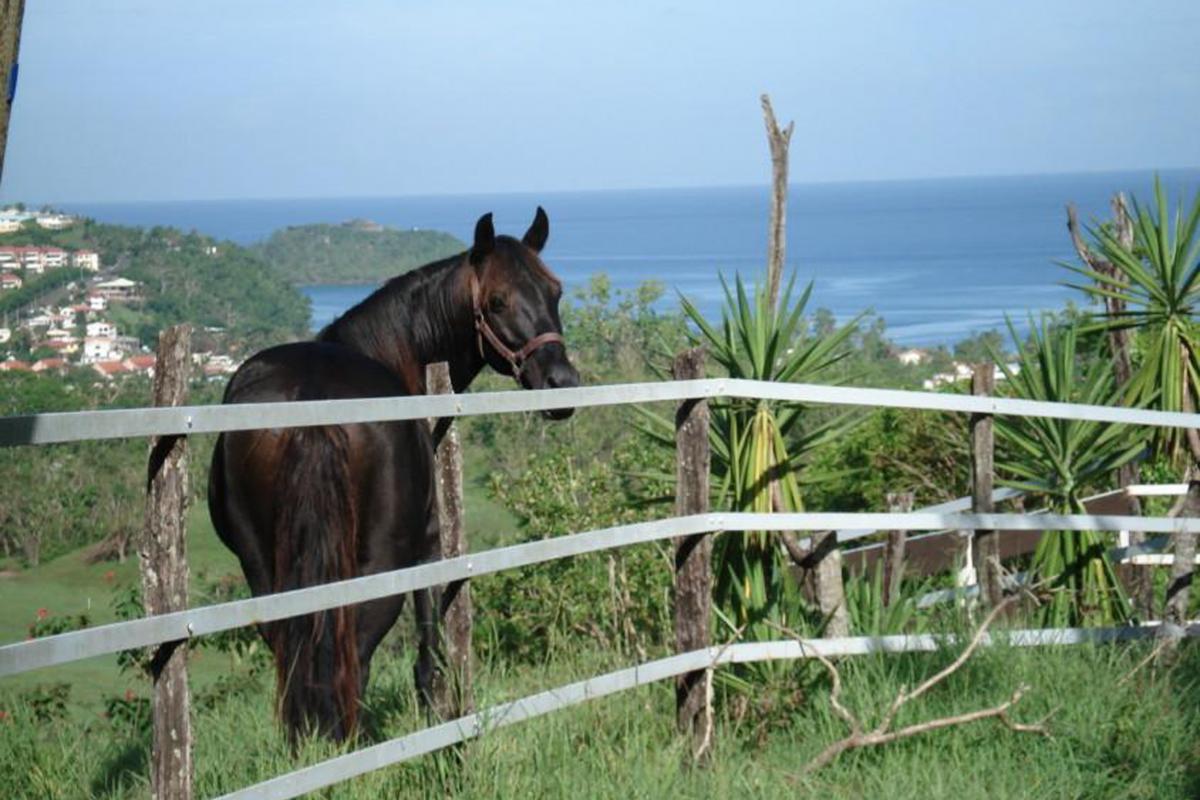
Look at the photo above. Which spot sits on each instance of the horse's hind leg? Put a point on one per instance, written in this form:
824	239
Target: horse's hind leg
425	670
373	620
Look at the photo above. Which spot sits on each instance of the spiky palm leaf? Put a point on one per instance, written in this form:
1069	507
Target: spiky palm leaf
1160	286
1059	458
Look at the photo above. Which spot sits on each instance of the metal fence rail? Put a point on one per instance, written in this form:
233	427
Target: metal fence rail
143	422
180	420
404	748
66	647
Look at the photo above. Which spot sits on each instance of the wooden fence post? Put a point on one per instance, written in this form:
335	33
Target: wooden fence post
986	546
1184	565
453	693
693	556
164	569
893	560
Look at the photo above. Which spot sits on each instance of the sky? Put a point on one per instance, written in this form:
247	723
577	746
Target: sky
127	100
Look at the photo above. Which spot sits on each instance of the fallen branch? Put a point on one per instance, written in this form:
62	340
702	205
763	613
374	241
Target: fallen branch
882	733
706	740
1162	645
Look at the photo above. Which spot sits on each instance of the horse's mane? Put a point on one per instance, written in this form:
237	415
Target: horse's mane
400	318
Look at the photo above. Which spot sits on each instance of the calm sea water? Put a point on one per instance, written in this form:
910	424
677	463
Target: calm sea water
937	259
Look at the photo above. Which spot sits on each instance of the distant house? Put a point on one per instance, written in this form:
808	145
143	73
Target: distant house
5	335
86	259
109	369
48	364
65	348
912	356
54	257
58	335
55	222
142	364
118	289
27	258
97	302
100	349
101	330
9	280
9	225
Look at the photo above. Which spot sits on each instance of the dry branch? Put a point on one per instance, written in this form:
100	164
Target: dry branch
883	734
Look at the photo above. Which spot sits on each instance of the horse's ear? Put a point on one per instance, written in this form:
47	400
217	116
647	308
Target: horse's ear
539	231
485	239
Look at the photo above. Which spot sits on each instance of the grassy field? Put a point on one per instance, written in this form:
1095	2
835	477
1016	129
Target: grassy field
1107	740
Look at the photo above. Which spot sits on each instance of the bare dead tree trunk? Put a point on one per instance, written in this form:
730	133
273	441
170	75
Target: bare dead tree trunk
12	14
693	558
986	546
452	688
164	568
777	234
822	570
893	561
1136	580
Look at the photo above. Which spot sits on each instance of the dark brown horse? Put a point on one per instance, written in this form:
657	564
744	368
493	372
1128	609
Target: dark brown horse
304	506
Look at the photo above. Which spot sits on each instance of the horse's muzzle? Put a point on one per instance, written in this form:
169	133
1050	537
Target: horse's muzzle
559	375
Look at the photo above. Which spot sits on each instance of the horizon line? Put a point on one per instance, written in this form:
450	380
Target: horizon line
611	190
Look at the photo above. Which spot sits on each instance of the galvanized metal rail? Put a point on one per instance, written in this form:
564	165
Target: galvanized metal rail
404	748
137	422
66	647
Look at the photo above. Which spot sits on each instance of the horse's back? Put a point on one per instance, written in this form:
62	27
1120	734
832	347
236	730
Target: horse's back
385	475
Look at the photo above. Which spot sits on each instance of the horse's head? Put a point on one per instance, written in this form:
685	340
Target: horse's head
515	304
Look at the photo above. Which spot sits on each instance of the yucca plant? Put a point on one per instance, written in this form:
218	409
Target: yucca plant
1059	458
758	443
1159	282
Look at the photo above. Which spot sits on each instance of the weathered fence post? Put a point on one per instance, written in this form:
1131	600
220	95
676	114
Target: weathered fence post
893	559
986	546
163	562
453	693
693	555
1184	565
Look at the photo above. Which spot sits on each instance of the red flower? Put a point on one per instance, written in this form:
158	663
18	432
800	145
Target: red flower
42	613
128	695
110	576
3	716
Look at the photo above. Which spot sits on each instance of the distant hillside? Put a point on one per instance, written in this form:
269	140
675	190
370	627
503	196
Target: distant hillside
236	301
353	252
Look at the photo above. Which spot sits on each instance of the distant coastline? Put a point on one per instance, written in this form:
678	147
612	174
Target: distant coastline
937	259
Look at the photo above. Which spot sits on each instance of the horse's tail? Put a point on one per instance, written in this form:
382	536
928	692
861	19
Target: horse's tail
316	655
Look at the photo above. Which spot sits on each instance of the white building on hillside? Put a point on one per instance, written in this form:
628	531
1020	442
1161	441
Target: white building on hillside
101	330
86	259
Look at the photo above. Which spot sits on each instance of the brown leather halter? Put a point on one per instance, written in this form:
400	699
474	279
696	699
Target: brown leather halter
516	358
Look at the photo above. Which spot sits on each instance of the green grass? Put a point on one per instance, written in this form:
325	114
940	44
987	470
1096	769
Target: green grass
1130	741
68	587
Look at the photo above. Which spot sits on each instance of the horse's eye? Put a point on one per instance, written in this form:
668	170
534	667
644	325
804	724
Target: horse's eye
496	303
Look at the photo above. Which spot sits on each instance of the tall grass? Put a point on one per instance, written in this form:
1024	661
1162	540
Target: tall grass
1133	740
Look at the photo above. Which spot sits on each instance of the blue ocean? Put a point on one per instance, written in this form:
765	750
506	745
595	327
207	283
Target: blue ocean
938	260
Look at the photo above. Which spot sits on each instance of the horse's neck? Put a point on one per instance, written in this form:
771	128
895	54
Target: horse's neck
417	319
